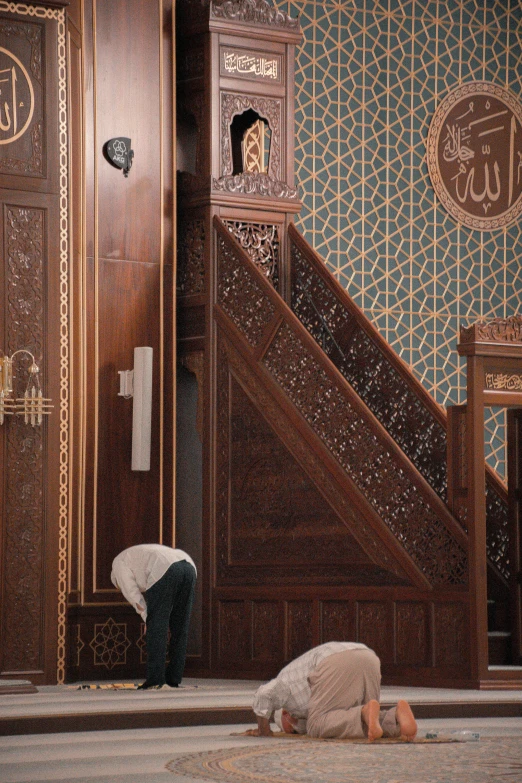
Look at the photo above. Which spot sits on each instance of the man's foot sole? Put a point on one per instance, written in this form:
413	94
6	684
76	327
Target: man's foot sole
370	715
406	720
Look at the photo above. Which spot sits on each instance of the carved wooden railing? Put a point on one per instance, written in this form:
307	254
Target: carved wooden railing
391	494
387	386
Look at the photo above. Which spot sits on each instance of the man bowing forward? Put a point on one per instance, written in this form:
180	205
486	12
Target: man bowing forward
160	583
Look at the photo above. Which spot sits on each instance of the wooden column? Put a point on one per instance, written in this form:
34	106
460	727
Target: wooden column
477	517
494	367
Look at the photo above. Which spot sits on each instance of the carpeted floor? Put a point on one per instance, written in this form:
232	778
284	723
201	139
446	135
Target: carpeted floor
487	761
201	754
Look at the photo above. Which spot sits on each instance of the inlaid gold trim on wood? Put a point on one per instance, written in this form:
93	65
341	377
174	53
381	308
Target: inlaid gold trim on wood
96	324
64	346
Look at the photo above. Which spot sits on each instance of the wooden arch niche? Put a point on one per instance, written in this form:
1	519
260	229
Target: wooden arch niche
494	379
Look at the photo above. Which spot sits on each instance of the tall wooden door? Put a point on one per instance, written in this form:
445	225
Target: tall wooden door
34	269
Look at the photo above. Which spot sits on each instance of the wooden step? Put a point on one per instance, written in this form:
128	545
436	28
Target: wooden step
499	645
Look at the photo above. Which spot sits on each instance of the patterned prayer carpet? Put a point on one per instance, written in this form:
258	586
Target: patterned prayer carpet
491	760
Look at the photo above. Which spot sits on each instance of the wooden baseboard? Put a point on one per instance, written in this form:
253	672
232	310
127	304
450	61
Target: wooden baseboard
10	688
154	719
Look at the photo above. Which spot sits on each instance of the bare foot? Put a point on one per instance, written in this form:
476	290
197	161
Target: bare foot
370	716
406	721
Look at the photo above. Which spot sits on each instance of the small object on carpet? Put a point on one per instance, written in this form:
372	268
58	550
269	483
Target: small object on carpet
456	736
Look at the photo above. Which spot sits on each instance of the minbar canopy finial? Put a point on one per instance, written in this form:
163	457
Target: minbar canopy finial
499	330
252	12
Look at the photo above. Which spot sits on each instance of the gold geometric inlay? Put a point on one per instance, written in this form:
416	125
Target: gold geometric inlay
110	644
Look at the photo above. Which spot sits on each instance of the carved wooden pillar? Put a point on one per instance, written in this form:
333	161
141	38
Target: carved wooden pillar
494	377
235	120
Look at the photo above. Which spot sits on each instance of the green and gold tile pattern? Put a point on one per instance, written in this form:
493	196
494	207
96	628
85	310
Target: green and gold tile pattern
369	75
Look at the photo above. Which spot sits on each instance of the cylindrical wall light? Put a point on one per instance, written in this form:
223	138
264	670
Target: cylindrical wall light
142	409
137	383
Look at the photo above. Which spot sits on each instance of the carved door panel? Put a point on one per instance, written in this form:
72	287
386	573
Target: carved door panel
515	518
34	317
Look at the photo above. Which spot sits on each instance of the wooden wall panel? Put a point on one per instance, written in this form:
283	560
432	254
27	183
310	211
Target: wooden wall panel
127	294
417	636
127	103
451	632
411	623
337	621
234	641
267	631
373	627
127	501
300	632
277	516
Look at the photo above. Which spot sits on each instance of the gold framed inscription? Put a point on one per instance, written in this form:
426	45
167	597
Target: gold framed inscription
16	97
475	155
252	65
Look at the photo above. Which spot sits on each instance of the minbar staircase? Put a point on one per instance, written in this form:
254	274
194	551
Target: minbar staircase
408	413
372	442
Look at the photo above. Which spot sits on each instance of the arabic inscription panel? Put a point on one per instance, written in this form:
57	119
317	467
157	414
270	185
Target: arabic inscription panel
251	64
475	155
21	97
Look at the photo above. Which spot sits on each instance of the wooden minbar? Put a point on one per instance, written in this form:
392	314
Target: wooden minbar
494	378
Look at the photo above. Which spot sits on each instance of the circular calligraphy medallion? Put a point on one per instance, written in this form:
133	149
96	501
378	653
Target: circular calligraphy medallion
16	97
475	155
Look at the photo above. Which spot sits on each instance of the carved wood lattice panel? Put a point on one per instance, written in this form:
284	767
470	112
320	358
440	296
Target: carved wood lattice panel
262	243
368	461
370	372
23	555
241	297
191	261
392	401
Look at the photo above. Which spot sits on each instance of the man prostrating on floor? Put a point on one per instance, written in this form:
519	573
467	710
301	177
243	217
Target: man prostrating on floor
160	583
332	691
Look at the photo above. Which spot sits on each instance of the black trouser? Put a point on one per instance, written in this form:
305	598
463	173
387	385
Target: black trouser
169	604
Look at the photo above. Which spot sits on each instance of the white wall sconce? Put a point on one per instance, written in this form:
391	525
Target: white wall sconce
137	383
33	406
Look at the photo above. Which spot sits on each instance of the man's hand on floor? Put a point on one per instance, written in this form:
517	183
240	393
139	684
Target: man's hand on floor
263	729
255	733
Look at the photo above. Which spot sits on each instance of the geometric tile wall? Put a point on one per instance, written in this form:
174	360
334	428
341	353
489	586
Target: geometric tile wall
369	75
